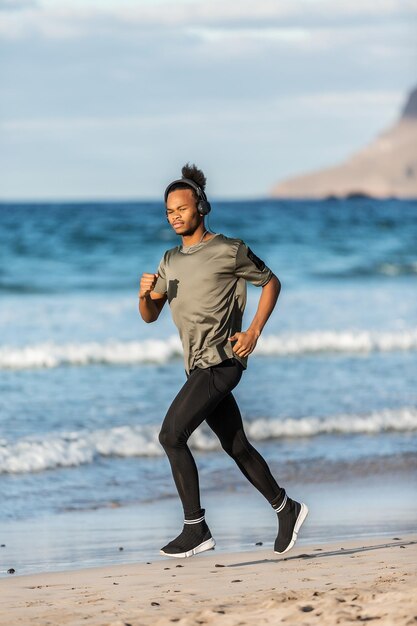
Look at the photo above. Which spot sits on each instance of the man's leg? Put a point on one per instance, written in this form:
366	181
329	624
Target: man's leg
226	422
197	398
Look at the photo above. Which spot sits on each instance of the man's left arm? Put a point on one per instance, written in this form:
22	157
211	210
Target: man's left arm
246	340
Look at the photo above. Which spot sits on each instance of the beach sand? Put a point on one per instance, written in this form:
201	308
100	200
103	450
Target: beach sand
360	580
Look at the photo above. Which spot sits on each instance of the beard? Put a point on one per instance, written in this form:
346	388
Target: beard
188	231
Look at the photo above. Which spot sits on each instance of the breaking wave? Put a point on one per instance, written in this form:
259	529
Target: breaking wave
49	355
71	449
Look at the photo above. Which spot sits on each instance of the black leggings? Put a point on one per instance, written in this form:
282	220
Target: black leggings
206	395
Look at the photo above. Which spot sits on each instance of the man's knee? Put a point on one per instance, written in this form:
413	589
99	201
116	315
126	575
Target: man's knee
170	439
237	448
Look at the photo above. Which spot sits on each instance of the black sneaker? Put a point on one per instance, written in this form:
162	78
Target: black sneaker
195	538
291	514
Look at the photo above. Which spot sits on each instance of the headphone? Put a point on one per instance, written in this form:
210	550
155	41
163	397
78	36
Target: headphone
203	205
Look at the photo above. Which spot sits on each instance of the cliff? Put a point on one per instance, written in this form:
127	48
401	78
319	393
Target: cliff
387	167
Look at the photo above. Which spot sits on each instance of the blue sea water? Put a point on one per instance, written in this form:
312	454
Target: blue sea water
330	390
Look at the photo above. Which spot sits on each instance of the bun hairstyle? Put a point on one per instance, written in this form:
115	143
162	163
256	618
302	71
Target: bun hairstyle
193	173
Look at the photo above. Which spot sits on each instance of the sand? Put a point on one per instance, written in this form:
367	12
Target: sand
361	580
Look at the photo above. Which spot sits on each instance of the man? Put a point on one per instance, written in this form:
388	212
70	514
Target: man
204	281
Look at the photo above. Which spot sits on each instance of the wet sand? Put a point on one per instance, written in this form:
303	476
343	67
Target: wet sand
361	580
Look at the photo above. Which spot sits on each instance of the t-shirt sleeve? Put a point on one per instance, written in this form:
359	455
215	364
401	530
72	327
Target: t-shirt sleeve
161	283
251	267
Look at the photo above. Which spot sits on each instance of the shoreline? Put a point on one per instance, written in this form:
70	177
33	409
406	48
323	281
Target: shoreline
338	511
335	582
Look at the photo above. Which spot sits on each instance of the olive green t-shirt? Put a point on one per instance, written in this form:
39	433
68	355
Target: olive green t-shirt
206	291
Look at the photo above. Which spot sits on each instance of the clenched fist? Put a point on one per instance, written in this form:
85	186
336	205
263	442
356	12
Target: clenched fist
147	283
246	342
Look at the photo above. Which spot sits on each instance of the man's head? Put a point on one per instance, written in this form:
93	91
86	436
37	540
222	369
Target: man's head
182	201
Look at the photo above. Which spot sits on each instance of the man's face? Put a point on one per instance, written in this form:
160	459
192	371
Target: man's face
182	211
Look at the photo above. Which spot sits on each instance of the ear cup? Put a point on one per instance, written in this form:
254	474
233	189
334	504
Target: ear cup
204	207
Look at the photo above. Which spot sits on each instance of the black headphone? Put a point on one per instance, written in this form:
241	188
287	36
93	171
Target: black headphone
203	205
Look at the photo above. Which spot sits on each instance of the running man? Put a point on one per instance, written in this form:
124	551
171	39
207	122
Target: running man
204	280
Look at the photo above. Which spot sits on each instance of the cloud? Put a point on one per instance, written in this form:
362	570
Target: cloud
52	19
323	104
92	92
17	5
93	123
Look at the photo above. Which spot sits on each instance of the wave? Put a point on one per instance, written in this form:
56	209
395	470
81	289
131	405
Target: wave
71	449
397	269
49	355
367	271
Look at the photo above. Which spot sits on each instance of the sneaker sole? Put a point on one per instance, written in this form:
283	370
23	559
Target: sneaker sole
206	545
300	519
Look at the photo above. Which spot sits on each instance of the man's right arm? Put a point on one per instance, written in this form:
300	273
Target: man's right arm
150	302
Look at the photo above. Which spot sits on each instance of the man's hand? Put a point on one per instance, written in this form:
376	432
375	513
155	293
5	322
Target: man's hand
147	283
246	342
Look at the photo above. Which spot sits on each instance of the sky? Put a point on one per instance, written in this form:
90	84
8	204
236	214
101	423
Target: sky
108	99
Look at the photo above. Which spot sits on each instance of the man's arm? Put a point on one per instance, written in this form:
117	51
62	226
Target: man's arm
246	340
267	302
151	305
150	302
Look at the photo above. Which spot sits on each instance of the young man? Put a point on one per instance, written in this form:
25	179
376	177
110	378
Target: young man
204	281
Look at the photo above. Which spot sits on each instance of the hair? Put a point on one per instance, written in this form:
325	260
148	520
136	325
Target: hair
193	173
196	175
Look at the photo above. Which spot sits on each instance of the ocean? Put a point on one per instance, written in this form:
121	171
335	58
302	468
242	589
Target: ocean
330	391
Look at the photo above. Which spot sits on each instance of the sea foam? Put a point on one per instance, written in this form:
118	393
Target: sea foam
71	449
49	355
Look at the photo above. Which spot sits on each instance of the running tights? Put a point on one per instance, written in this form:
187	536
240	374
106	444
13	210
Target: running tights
206	395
